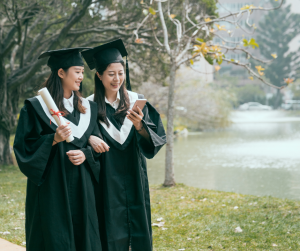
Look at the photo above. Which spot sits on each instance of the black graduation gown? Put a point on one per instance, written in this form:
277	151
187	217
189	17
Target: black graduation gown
60	203
123	201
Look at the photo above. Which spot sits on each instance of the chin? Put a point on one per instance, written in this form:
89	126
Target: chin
76	88
115	88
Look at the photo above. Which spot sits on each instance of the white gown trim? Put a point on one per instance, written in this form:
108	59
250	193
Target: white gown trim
84	122
122	135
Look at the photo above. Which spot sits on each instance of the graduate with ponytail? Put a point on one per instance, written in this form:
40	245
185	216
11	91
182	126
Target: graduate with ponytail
60	203
123	200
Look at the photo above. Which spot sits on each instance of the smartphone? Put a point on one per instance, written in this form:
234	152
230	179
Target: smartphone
139	103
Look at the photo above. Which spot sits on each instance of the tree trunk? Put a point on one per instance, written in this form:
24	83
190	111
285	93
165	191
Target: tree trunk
169	167
5	152
278	99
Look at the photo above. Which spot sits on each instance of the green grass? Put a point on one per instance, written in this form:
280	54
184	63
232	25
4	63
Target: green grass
194	219
210	224
12	204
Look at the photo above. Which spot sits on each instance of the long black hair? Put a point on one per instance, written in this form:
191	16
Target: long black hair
99	98
54	86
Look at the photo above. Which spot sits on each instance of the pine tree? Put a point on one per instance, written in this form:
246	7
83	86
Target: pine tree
274	35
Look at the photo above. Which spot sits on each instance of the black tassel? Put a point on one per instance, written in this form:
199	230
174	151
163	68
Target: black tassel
128	86
80	88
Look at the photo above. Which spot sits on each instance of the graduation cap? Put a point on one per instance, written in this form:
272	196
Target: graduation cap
64	58
103	55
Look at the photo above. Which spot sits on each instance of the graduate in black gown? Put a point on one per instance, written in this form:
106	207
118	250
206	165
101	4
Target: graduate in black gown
128	137
60	203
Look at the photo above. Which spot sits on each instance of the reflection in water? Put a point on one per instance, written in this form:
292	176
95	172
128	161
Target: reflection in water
258	154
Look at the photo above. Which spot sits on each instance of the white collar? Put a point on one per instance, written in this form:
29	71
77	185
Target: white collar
68	103
116	103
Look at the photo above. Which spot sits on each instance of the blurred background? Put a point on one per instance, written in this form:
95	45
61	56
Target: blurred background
242	135
231	131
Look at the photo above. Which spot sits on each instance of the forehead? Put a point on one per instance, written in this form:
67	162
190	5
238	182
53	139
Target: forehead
77	67
115	67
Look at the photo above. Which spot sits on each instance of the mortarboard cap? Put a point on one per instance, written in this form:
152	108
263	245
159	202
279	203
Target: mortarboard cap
64	58
103	55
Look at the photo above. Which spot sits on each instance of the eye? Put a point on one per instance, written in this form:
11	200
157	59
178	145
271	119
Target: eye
111	75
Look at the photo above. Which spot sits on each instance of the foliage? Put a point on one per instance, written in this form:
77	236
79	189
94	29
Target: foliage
250	93
203	106
198	106
275	43
275	39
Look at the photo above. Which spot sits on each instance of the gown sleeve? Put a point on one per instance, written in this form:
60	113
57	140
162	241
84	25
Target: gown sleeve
32	148
92	157
153	125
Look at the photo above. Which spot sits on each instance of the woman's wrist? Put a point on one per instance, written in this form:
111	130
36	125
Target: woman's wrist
55	140
139	128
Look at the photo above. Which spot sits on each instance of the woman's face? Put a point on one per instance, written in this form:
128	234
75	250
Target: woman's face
71	78
113	77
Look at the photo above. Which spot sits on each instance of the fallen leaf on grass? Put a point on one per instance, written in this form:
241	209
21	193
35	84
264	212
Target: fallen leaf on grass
160	224
160	219
24	243
236	207
274	245
238	230
6	233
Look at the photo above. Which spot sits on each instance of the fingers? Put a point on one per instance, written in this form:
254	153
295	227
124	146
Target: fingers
77	162
140	111
77	157
106	147
63	131
74	153
133	119
99	148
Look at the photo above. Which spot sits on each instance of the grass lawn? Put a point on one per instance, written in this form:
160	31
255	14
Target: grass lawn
194	219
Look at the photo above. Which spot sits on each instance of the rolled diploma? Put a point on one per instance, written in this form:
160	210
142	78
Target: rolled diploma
51	105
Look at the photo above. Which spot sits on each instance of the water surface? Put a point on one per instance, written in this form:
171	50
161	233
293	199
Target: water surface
259	154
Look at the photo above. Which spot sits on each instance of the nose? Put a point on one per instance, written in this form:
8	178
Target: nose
117	78
80	77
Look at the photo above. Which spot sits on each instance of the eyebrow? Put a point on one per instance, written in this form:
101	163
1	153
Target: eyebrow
77	68
114	71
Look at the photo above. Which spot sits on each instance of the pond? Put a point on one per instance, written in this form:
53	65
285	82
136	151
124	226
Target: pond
259	154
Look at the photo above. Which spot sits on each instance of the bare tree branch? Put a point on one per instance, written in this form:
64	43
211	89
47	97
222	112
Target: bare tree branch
246	66
164	27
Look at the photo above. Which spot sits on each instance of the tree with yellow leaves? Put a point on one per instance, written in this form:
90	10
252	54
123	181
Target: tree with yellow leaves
192	39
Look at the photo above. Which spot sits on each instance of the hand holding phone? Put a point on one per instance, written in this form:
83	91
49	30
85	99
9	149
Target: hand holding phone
139	103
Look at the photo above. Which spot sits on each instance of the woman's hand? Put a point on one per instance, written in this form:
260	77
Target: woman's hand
62	133
98	144
136	118
77	157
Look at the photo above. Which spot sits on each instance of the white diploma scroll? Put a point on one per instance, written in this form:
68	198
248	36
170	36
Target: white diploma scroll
44	93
